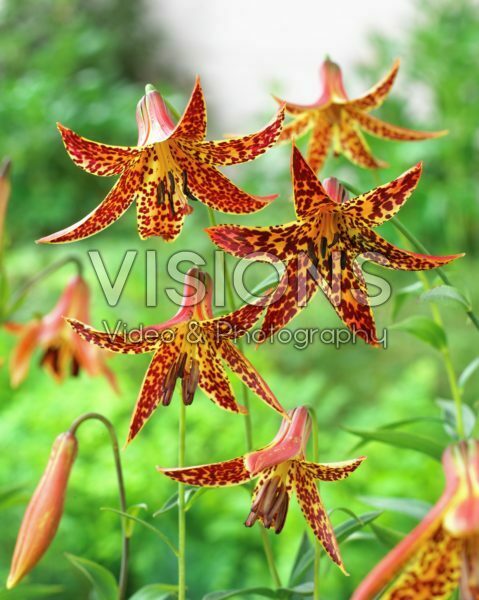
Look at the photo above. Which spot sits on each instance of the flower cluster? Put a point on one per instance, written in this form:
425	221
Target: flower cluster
170	168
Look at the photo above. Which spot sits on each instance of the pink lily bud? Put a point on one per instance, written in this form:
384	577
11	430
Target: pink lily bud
44	512
154	120
332	80
289	443
335	190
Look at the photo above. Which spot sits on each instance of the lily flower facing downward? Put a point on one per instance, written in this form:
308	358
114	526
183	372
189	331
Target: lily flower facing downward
191	346
63	353
281	468
442	553
171	165
336	122
320	248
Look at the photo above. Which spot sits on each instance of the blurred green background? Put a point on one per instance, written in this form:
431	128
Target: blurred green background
59	62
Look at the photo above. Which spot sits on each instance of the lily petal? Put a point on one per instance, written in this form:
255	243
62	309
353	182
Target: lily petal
110	210
238	150
377	249
111	341
382	203
214	381
192	124
240	365
269	244
215	190
153	385
332	471
381	129
319	144
235	324
230	472
315	513
374	97
354	146
20	359
95	158
310	196
296	128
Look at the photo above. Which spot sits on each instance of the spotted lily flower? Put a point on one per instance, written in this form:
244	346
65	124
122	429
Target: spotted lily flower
320	248
281	468
63	353
171	165
442	553
191	346
336	122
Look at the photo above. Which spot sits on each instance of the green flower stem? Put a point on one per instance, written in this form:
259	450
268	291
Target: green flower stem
317	547
248	424
123	577
19	294
181	508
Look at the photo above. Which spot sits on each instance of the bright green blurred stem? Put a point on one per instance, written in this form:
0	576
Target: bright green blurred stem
268	551
181	508
20	293
123	578
317	547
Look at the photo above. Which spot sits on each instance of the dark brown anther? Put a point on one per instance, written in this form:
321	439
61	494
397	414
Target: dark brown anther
186	189
323	246
181	364
343	260
75	367
281	516
171	179
312	253
160	192
169	385
270	505
51	357
335	240
190	382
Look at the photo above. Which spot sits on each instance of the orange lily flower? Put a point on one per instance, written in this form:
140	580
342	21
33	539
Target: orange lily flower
320	248
336	122
282	468
191	346
44	510
442	553
63	352
171	165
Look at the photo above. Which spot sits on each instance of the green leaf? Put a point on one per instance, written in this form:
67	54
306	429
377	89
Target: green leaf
447	294
268	282
425	329
133	511
155	591
305	548
102	580
304	589
404	294
13	495
449	411
471	368
387	536
404	506
342	532
191	495
164	538
401	439
25	592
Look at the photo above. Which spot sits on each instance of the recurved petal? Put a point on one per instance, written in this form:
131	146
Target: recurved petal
230	472
377	249
433	571
109	211
215	190
381	129
295	289
21	355
354	146
240	365
116	342
382	203
270	244
237	150
374	97
213	379
309	195
296	109
319	144
192	125
315	513
95	158
153	385
236	323
332	471
296	128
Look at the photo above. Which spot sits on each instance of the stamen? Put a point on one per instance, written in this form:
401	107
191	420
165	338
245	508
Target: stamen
160	192
75	367
190	382
186	190
324	246
270	505
312	253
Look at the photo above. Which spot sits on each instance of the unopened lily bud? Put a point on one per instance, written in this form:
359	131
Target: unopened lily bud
44	512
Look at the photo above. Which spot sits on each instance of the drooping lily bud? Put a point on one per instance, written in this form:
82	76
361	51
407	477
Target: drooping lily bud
44	512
